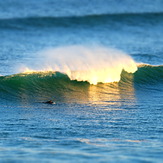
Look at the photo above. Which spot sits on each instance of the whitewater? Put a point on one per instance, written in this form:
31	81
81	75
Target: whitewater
93	64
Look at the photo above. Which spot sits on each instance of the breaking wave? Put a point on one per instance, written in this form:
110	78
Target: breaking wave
41	86
93	64
73	72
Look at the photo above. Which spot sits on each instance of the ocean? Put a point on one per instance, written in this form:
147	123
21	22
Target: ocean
100	62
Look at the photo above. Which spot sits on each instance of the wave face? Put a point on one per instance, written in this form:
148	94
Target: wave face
41	86
148	74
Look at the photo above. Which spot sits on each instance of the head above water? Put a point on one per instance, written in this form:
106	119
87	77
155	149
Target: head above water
49	102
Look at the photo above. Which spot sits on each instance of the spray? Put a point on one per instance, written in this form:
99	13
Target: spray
93	64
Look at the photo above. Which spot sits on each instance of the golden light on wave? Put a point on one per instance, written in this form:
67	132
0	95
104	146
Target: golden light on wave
27	70
111	94
92	64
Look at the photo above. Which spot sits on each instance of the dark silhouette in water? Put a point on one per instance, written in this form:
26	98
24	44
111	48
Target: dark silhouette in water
49	102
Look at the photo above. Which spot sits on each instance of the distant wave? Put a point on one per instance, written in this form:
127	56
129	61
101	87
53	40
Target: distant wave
83	20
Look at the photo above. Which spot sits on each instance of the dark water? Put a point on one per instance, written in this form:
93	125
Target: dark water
118	121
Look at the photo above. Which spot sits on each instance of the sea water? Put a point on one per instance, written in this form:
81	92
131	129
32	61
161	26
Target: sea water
100	62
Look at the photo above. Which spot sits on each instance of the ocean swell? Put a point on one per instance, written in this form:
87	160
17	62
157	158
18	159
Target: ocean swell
83	20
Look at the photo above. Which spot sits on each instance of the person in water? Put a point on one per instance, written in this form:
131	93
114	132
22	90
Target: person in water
49	102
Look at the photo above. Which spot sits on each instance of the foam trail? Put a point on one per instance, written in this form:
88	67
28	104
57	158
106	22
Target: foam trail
92	64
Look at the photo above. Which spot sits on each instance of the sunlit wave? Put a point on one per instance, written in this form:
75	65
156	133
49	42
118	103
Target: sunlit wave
83	63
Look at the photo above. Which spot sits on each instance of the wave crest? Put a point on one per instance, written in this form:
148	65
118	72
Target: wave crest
92	64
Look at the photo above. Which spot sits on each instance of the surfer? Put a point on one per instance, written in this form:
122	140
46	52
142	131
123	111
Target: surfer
49	102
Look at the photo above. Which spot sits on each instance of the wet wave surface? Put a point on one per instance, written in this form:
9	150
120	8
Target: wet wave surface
42	86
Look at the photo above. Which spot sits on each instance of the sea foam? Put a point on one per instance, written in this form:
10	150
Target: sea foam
83	63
